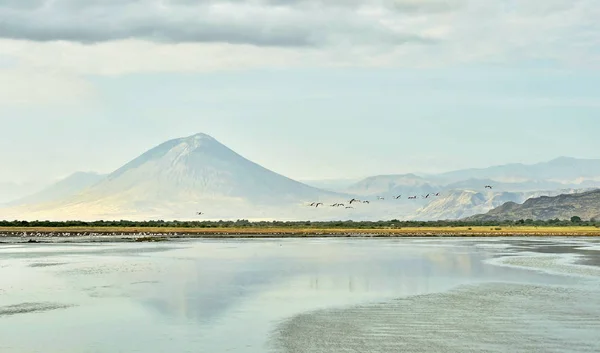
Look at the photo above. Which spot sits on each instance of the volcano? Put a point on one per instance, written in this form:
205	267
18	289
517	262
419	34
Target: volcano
179	178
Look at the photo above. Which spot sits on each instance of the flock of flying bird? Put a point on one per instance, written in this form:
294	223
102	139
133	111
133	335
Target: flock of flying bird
317	204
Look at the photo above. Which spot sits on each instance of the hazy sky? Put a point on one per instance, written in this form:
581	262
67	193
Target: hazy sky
307	88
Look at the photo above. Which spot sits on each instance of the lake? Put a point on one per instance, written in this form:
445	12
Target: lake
302	295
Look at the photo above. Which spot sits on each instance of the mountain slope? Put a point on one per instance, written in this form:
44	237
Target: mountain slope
585	205
200	167
11	191
180	177
457	204
66	187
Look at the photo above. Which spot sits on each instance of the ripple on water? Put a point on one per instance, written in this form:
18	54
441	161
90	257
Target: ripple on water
26	308
562	264
46	264
493	317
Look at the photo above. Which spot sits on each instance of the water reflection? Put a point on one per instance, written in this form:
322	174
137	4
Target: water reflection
217	296
206	289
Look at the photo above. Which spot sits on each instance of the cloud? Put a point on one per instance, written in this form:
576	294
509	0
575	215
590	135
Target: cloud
293	23
112	37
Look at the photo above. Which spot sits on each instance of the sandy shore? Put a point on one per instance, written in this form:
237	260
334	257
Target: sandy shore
141	233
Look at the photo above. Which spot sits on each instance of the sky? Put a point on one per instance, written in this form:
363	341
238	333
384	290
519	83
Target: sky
311	89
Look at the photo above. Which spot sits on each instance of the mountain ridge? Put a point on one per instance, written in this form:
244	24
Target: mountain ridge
564	206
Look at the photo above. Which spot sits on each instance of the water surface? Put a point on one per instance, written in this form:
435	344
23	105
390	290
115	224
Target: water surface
301	295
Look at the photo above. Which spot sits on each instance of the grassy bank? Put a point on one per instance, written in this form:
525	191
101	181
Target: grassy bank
304	232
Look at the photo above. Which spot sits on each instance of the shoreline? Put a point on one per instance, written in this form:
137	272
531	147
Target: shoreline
161	234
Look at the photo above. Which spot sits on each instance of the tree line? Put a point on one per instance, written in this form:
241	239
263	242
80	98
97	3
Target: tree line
243	223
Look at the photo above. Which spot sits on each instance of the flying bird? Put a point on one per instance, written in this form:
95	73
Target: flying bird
199	213
354	200
317	205
397	197
380	198
488	187
349	207
365	201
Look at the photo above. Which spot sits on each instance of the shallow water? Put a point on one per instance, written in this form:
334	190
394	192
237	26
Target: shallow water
302	295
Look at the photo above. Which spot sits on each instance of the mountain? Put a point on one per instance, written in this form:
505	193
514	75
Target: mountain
460	203
10	191
391	185
457	204
562	169
199	167
66	187
180	177
585	205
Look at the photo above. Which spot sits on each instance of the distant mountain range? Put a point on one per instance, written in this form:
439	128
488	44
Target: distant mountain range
459	204
564	170
182	176
585	205
71	185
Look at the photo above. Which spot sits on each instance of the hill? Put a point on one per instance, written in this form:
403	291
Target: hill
66	187
585	205
457	204
10	191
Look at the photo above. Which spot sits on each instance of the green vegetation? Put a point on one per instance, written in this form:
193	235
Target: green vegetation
245	224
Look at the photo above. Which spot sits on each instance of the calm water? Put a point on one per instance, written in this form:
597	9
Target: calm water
301	295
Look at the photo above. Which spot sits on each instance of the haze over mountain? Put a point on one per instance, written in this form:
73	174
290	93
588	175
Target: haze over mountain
178	178
393	185
66	187
585	205
336	185
182	176
565	170
10	191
